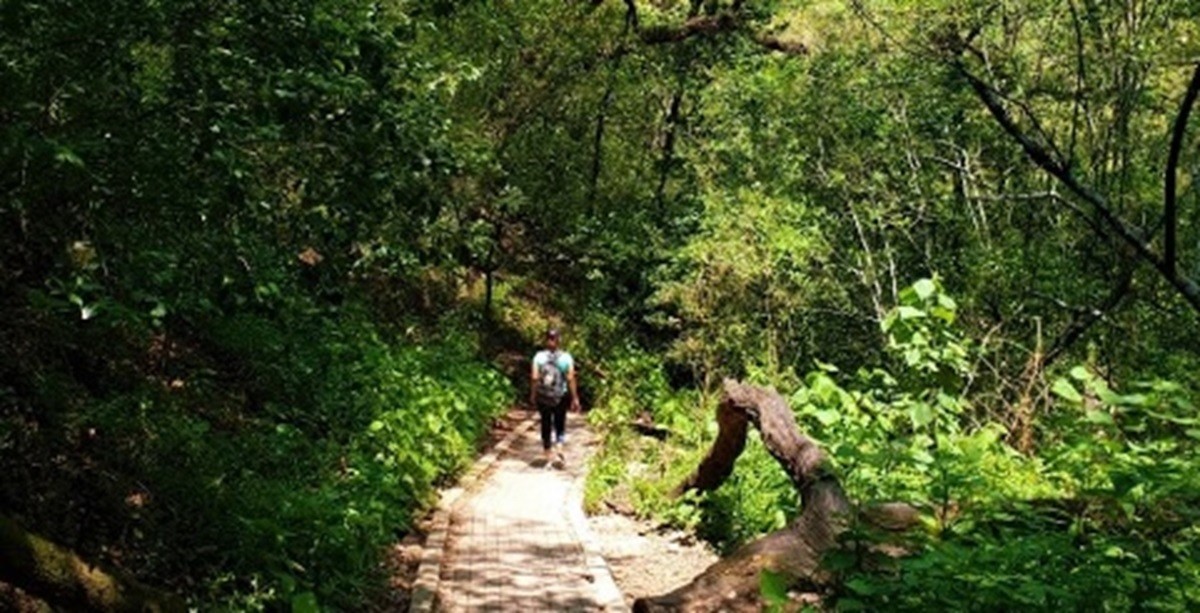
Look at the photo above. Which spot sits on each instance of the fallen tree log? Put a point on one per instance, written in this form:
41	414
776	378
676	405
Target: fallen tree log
59	576
795	552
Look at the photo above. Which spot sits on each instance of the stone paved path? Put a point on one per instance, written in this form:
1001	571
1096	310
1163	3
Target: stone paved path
519	541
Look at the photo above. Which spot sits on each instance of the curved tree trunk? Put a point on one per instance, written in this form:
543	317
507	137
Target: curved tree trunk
794	552
60	577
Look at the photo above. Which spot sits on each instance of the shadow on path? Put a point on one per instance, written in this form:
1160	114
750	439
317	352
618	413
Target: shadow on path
513	544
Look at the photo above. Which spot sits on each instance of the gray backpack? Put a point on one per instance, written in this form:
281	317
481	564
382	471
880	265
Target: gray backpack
551	384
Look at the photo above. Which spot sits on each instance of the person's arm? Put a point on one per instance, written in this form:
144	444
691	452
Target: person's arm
533	377
575	406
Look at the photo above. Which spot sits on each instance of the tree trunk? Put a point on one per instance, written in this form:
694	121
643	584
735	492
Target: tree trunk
489	285
56	574
794	552
668	148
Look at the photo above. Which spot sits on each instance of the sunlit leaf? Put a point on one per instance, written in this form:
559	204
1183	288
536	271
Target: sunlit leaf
1063	389
924	288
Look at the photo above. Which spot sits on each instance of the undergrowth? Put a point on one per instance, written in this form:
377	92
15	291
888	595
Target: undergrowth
269	463
1101	518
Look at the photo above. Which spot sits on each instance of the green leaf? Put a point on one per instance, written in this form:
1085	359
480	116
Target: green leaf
922	456
921	414
305	602
1066	391
1099	417
944	314
925	288
826	417
66	156
946	302
858	585
1130	400
826	367
889	321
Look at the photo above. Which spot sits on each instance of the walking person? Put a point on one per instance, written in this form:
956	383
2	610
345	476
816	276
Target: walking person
552	390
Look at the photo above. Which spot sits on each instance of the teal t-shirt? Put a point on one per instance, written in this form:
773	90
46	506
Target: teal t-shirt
564	364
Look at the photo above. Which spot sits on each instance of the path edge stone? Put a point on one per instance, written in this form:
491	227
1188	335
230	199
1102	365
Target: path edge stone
608	595
429	572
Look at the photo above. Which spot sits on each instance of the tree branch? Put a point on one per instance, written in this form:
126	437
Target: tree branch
1041	155
796	552
668	150
774	43
1170	207
631	14
719	22
1086	318
703	25
602	116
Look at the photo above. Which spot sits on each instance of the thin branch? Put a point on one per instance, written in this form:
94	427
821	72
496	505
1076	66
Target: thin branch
602	116
861	11
1080	81
1086	318
1087	218
1170	205
869	276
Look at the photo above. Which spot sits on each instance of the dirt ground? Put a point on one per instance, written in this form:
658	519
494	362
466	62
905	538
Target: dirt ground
645	560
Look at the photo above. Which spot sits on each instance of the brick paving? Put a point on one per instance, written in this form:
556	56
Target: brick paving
519	540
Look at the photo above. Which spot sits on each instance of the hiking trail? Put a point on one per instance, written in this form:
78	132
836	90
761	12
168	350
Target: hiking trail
513	535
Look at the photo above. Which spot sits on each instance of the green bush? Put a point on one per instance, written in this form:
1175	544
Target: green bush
1102	518
313	504
288	451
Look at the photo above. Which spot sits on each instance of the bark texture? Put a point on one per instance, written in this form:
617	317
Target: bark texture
796	551
732	584
59	576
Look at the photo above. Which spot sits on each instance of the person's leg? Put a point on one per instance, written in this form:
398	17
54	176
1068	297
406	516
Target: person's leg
546	414
563	409
560	421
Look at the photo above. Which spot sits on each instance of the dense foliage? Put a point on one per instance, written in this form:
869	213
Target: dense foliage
216	372
1100	517
255	257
